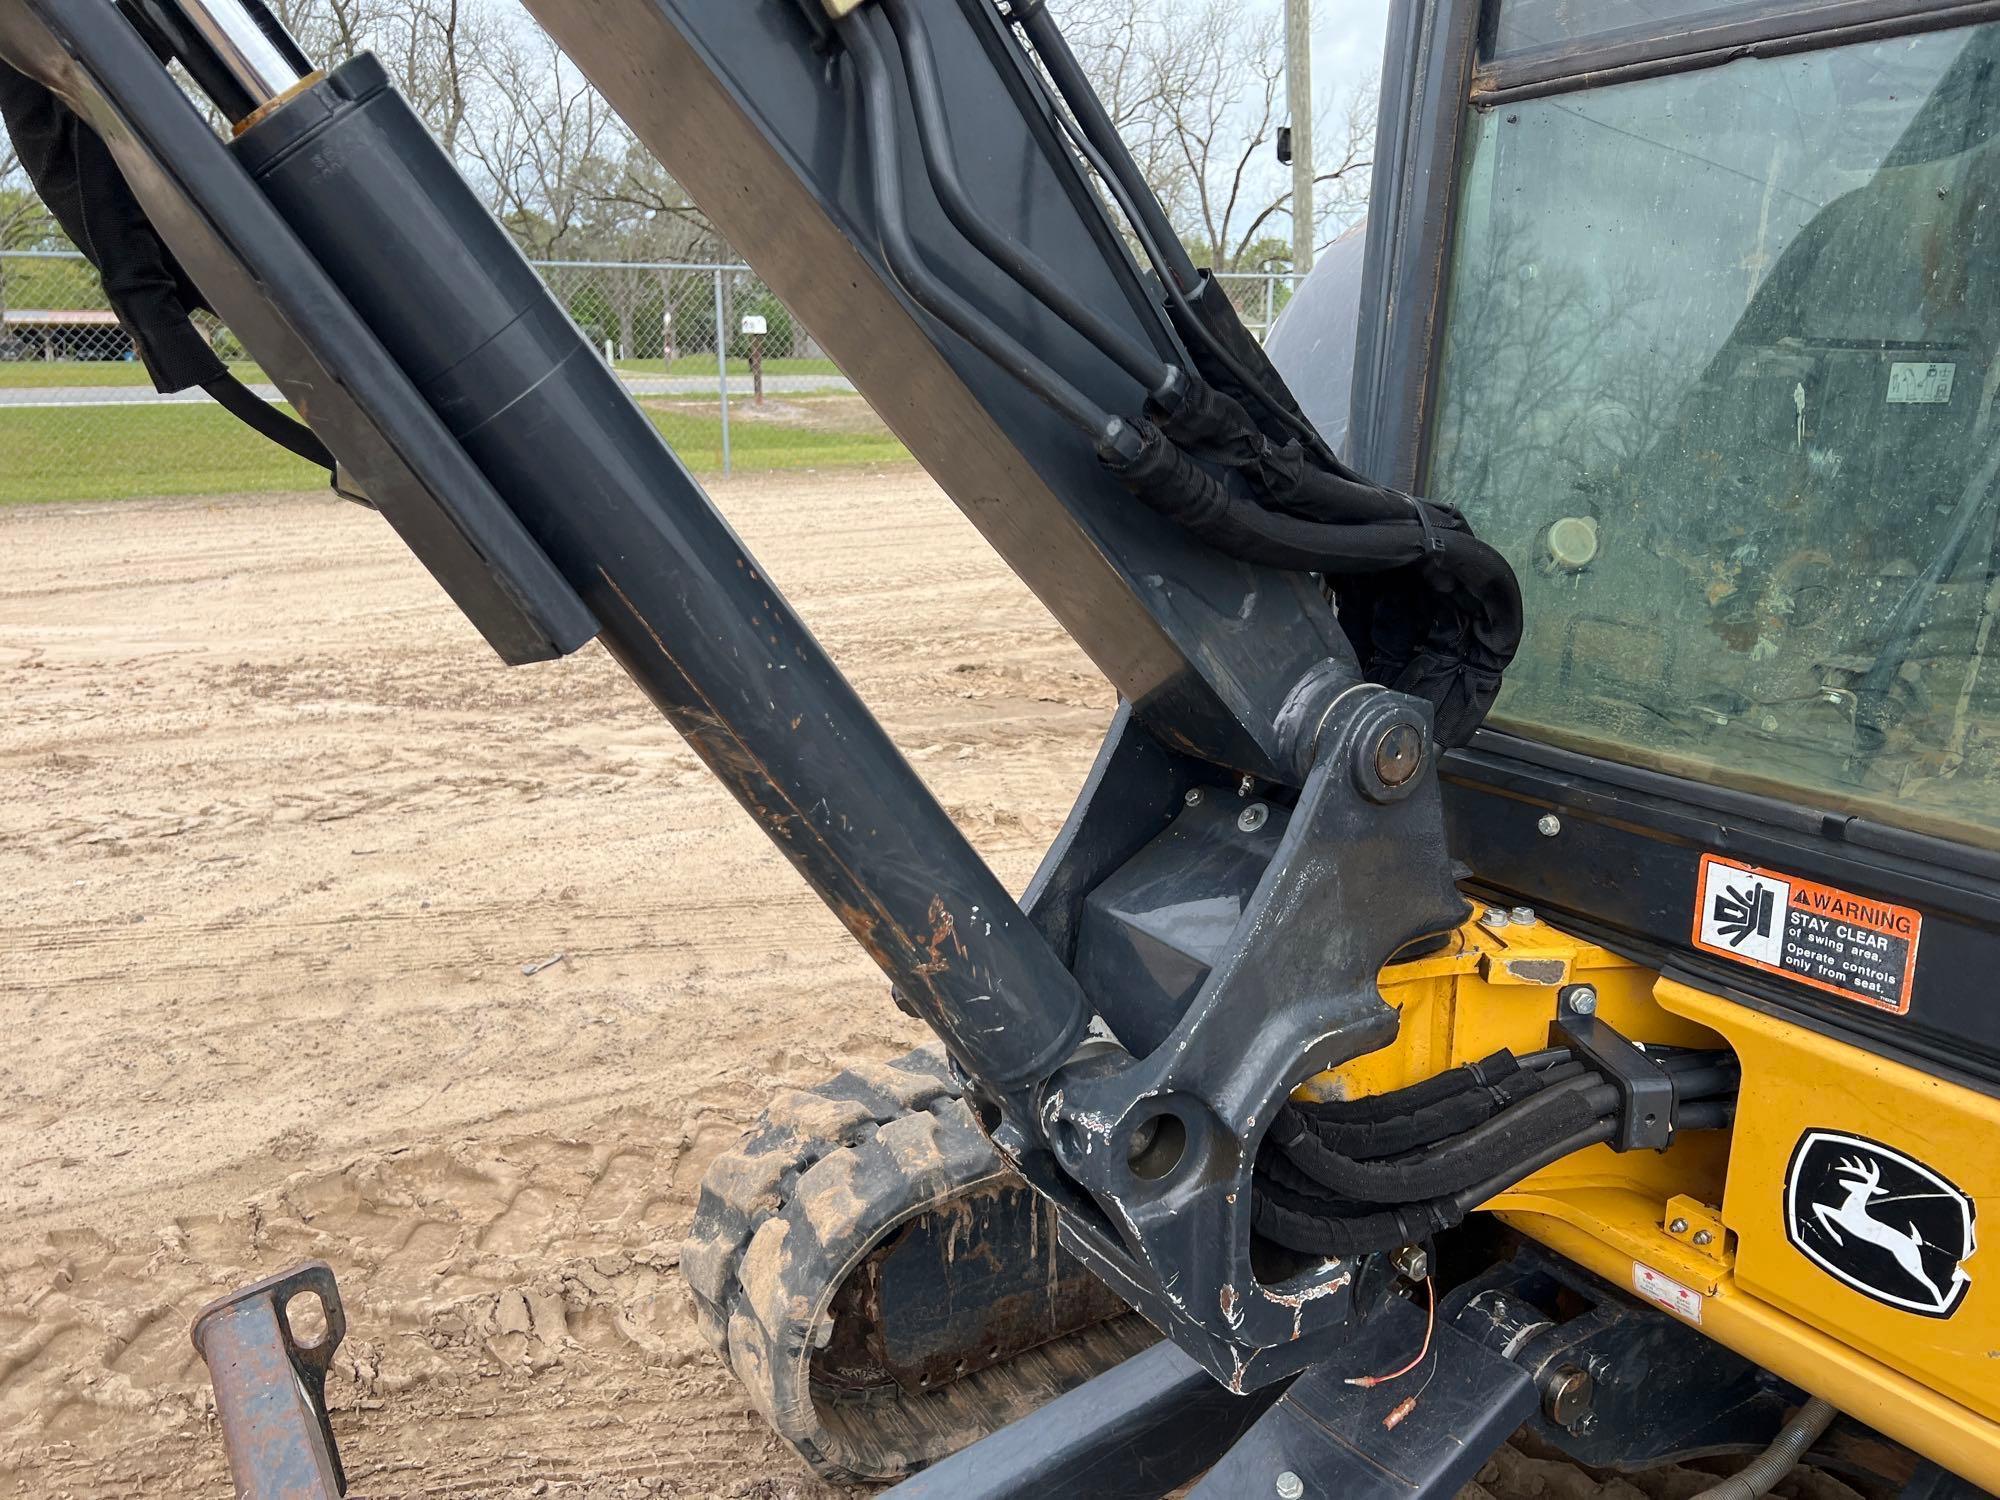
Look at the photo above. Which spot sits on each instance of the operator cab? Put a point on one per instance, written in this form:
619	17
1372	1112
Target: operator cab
1716	372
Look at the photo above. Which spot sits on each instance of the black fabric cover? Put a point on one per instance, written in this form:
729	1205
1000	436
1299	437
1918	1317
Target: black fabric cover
1429	608
1512	1136
1489	1072
80	182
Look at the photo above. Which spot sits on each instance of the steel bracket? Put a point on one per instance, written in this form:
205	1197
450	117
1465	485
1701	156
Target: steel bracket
270	1388
1645	1090
1164	1144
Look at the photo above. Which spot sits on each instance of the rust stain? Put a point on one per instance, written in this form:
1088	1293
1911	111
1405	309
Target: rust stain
944	929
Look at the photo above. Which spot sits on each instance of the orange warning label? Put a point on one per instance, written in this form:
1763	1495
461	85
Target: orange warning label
1833	940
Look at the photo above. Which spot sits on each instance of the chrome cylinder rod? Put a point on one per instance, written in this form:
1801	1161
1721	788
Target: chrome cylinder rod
257	64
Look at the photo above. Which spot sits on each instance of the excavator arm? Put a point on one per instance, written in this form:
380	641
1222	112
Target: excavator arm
934	188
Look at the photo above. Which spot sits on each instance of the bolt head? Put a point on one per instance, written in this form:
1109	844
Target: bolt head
1550	826
1399	754
1522	916
1290	1486
1195	796
1412	1263
1495	917
1246	786
1679	1226
1253	817
1581	999
1569	1396
1703	1237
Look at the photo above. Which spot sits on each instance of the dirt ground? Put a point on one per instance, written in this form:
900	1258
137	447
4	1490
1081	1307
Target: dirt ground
279	839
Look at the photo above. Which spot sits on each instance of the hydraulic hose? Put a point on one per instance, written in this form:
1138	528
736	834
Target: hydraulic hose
1173	484
1556	1113
1474	1094
1318	1226
1115	161
1795	1439
916	278
1463	1104
1141	211
1487	1073
1029	270
1568	1106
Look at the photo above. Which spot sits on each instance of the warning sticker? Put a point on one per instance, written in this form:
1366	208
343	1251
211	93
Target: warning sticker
1684	1301
1831	939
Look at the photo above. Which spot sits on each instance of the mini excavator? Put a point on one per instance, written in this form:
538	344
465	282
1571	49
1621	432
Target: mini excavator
1512	974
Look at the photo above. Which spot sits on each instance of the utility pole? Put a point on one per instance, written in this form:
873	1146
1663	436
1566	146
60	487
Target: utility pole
1299	89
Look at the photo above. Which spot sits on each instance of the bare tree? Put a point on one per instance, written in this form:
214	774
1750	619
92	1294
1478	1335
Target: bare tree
1197	88
426	46
549	146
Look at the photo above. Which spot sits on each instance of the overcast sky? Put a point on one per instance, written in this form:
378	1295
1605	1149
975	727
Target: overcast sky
1347	40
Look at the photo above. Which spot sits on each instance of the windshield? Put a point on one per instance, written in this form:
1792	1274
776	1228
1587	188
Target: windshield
1718	376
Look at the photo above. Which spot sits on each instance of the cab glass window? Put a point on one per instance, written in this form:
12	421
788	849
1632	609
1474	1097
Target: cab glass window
1718	374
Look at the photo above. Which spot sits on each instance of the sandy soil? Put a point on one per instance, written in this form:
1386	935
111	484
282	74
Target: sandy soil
279	839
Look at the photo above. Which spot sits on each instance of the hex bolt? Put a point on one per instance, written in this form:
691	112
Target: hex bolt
1195	796
1290	1486
1679	1226
1522	916
1412	1263
1254	817
1550	826
1399	755
1494	917
1703	1237
1580	999
1246	786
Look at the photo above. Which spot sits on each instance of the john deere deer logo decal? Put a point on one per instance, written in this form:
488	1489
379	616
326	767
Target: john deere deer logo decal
1880	1221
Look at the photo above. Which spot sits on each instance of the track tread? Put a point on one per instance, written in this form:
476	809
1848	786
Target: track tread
785	1218
745	1186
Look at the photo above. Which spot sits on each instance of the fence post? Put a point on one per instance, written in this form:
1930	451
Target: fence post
722	368
1270	302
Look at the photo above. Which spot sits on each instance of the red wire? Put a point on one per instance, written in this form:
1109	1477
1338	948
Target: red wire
1369	1382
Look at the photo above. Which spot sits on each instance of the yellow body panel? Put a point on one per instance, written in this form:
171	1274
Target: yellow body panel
1931	1383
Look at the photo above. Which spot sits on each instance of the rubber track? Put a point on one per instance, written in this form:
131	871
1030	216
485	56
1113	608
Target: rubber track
788	1215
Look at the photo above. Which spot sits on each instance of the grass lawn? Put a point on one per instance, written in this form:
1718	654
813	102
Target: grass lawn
124	452
704	365
42	375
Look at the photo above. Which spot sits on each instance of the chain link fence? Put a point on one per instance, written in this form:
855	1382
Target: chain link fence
734	382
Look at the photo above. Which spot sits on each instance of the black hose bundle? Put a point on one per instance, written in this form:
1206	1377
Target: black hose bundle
1223	448
1429	608
1338	1179
1444	1167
